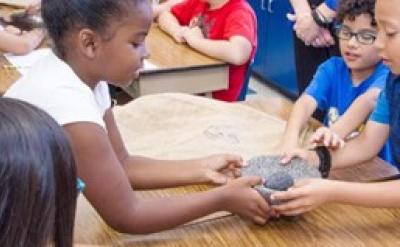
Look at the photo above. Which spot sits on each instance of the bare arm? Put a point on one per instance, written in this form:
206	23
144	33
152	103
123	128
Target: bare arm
301	113
169	24
20	44
363	148
144	172
236	50
360	149
164	6
309	194
109	191
357	113
300	6
368	195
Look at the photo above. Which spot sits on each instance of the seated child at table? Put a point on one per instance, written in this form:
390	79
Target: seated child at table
345	88
226	30
99	41
384	123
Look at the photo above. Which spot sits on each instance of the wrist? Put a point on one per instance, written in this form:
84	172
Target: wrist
200	171
320	19
224	195
332	193
313	158
326	11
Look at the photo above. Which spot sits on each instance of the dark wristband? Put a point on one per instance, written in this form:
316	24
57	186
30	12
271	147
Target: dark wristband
318	19
324	160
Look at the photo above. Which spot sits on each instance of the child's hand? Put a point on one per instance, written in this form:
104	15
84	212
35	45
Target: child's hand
218	169
193	33
324	39
178	34
327	137
13	30
305	27
286	147
34	8
240	198
309	155
302	197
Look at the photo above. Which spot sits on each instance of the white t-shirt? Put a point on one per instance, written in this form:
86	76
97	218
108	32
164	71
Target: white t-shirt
54	87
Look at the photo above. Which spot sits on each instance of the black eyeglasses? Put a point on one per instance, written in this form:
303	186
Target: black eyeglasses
363	37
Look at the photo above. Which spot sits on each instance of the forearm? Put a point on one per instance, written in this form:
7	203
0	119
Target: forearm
354	116
145	173
20	44
326	11
162	7
298	119
152	215
300	6
221	49
168	23
385	194
363	148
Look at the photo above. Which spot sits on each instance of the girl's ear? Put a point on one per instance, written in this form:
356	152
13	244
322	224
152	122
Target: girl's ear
88	43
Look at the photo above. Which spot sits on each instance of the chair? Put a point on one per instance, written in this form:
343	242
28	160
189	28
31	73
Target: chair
245	87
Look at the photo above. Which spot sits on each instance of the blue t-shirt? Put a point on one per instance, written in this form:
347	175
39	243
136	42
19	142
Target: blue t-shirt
334	91
381	111
387	112
333	88
332	4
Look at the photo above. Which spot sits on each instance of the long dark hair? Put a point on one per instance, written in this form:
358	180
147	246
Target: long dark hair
37	178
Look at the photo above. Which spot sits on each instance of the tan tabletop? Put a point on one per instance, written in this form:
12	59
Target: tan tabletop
179	68
330	225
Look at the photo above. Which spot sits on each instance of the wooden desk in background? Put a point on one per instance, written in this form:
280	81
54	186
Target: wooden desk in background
330	225
8	75
178	69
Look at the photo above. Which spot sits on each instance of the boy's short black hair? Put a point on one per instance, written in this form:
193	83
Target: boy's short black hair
350	9
62	16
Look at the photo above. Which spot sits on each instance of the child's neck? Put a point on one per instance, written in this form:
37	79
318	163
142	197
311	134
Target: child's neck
82	70
358	76
216	4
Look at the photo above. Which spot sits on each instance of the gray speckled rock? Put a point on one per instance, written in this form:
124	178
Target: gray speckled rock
265	165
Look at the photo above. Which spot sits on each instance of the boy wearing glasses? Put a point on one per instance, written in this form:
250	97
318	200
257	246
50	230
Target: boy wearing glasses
345	88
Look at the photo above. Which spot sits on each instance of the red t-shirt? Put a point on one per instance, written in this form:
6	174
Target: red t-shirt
235	18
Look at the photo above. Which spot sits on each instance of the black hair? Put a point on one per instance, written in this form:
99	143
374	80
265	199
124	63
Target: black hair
350	9
37	178
62	16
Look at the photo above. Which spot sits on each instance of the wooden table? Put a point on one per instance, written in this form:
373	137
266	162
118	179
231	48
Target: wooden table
7	75
179	69
330	225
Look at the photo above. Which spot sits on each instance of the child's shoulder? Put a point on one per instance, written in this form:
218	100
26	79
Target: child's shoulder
240	5
333	63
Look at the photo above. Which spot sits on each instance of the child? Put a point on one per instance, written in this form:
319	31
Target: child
226	30
158	8
18	42
15	41
383	123
38	178
103	40
345	87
